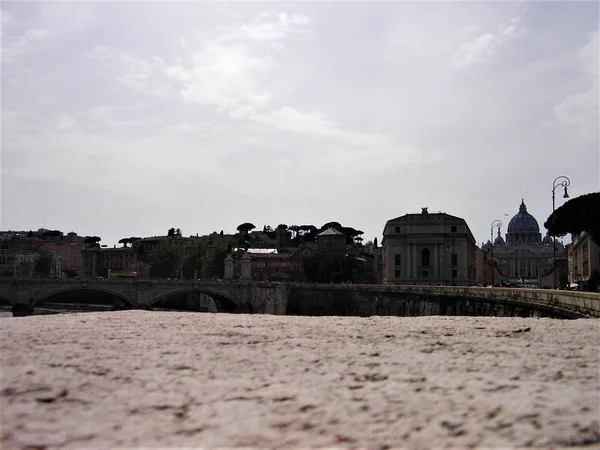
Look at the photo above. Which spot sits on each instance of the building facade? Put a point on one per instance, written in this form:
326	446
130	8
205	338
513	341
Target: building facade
584	254
524	258
331	240
428	248
97	262
483	268
71	253
16	263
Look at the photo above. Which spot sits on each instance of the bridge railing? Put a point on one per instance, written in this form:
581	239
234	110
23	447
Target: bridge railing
585	302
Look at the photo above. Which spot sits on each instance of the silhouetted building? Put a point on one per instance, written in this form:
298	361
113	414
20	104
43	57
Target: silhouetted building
428	248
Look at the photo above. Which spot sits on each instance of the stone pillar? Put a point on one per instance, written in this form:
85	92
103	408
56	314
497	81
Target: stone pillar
228	267
407	262
246	267
415	269
436	263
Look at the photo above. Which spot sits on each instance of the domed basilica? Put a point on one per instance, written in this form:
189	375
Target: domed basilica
524	258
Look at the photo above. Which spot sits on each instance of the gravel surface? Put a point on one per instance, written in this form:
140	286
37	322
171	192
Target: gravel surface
166	379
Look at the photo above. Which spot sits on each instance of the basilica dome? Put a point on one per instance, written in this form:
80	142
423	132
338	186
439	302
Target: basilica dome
523	221
523	228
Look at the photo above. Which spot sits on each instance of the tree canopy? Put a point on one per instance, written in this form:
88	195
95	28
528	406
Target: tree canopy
166	260
206	258
579	214
43	263
328	225
245	227
330	267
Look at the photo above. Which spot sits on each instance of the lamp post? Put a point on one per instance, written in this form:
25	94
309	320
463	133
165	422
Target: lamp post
564	182
495	223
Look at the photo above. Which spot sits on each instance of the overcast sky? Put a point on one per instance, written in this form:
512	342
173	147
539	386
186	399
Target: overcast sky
128	118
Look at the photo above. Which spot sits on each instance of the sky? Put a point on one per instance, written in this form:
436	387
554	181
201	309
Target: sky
128	118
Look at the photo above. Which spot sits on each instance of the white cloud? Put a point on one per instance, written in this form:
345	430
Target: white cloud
580	109
66	123
15	47
481	47
147	76
5	18
317	125
224	72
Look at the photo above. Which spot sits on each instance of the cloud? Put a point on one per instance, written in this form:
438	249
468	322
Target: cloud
317	125
147	76
580	110
14	47
105	117
375	161
66	122
481	47
225	71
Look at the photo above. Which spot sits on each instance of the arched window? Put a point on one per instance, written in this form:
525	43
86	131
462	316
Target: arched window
425	257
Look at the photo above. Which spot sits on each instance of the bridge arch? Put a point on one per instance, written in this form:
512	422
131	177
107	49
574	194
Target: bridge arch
223	301
117	295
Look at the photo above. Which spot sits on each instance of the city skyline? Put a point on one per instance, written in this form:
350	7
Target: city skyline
136	117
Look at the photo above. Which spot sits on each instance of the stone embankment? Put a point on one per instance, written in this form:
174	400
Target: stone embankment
161	379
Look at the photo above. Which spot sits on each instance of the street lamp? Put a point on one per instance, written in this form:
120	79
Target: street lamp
564	182
495	223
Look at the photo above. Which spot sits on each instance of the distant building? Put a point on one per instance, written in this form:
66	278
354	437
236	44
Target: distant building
71	254
16	263
524	258
584	254
331	240
97	262
483	267
428	248
57	269
145	246
267	264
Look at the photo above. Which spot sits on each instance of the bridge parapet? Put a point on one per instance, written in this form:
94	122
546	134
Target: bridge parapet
272	298
585	303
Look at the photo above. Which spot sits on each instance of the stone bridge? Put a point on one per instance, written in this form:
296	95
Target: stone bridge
228	296
320	299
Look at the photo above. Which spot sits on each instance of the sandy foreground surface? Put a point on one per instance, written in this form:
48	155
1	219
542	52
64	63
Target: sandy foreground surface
165	379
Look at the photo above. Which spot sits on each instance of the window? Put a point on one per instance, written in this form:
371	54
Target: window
397	259
454	273
329	244
425	273
396	229
425	257
454	259
397	273
453	229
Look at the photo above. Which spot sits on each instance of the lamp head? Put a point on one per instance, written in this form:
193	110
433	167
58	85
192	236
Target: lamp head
566	193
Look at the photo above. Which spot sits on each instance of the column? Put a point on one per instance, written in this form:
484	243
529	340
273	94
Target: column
228	267
414	256
246	267
407	262
436	263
